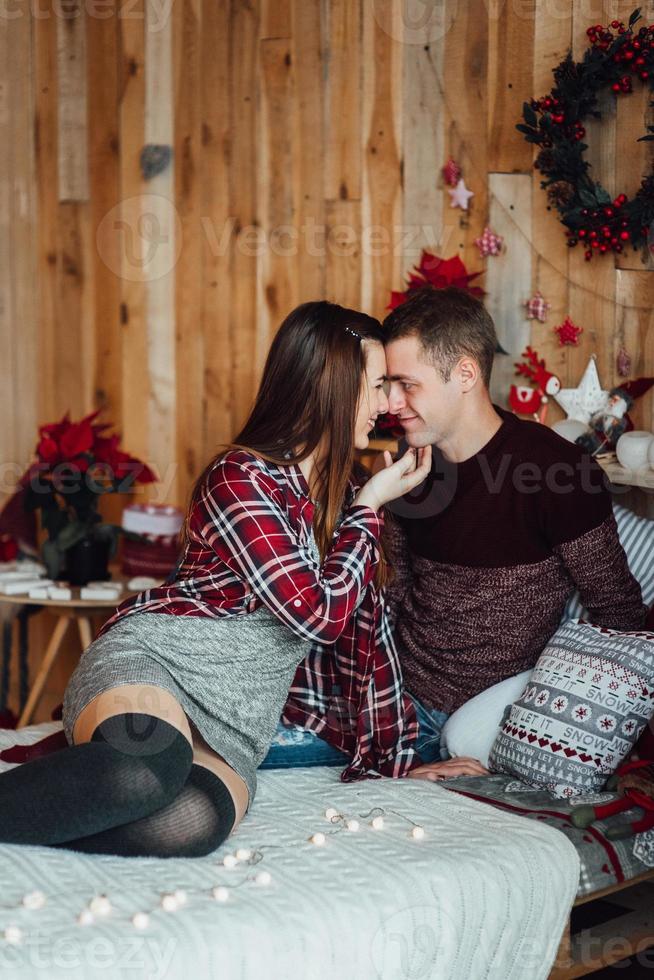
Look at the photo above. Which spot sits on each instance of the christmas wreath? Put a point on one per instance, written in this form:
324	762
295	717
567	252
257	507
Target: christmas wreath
617	55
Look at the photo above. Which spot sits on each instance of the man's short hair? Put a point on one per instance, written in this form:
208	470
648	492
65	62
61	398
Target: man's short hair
449	323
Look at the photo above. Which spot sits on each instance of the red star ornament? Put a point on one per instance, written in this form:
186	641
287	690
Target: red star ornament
489	243
537	307
451	173
568	333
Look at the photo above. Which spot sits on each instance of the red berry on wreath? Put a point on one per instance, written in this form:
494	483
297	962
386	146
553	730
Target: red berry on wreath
644	75
608	212
616	87
624	235
588	256
615	24
582	233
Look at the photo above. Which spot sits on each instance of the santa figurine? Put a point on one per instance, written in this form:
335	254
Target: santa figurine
607	425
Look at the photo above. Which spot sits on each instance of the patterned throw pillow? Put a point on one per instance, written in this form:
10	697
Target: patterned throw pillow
584	707
636	536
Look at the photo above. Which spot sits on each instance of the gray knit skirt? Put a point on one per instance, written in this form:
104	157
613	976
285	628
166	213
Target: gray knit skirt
230	675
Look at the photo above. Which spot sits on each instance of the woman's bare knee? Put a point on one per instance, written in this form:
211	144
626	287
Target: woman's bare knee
131	698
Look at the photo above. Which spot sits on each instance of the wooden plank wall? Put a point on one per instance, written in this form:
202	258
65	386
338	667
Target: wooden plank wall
307	141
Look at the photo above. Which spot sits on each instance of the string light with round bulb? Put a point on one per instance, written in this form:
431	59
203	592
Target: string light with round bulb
34	900
169	903
13	935
141	920
220	893
100	905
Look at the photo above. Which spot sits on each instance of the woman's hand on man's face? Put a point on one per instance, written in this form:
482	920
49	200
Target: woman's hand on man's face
461	766
396	479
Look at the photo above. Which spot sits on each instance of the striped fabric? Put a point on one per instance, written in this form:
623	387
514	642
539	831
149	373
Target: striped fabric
637	538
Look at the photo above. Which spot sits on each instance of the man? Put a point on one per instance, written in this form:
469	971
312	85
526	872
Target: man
510	522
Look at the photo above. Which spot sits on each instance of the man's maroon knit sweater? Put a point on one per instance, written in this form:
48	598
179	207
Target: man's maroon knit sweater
486	554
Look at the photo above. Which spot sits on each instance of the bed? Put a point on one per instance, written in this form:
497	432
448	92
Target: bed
448	887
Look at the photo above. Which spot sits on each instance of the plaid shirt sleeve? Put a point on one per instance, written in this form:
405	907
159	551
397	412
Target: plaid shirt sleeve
351	695
242	515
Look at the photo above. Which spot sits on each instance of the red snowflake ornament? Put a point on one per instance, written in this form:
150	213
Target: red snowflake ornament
489	243
451	173
537	307
568	333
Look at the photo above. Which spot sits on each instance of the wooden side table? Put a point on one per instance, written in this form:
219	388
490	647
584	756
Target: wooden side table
80	610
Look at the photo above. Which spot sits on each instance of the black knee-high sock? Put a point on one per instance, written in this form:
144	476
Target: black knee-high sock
134	765
197	821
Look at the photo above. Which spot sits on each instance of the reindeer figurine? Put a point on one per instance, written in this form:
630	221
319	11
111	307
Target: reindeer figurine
533	401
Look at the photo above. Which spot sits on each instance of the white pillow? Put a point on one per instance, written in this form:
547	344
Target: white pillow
637	538
472	728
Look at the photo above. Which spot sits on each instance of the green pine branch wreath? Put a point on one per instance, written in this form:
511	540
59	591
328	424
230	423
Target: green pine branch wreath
616	56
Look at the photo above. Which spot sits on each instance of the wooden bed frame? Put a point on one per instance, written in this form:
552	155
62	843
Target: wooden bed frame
626	934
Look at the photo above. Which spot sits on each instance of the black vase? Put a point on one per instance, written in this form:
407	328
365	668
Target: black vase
88	561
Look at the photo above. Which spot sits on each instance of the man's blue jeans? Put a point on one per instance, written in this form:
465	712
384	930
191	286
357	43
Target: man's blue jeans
294	747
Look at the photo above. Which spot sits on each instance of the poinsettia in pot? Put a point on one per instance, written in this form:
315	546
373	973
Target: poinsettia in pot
77	463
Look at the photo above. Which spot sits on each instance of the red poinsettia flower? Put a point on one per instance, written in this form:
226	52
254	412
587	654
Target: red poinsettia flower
83	445
66	441
439	273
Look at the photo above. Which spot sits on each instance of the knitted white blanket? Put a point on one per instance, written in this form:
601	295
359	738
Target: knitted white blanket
482	894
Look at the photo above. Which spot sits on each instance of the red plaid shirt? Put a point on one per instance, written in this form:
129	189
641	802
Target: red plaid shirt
250	546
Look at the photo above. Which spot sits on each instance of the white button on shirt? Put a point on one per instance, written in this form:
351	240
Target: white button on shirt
297	603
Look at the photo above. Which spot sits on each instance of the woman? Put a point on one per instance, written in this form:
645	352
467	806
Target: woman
174	704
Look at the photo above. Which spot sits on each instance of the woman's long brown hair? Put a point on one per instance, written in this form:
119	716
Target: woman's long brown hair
308	396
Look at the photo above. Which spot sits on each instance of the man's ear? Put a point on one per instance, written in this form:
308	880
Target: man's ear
467	373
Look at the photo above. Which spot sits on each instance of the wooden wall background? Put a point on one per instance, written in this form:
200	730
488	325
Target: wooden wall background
307	141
